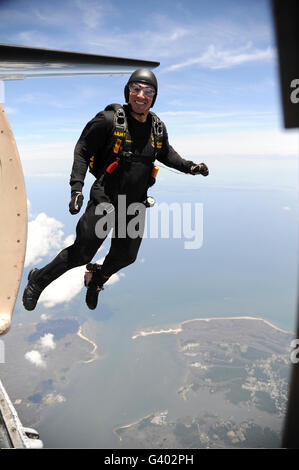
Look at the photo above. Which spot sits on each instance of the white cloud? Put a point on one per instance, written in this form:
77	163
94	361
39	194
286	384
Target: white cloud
156	41
45	317
29	206
92	12
55	150
214	58
70	284
44	235
47	342
69	240
195	115
205	136
180	39
266	142
35	358
47	175
178	33
114	278
63	289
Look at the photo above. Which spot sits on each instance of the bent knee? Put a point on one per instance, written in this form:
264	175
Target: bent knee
79	258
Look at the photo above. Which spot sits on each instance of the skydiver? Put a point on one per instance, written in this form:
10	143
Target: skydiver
131	178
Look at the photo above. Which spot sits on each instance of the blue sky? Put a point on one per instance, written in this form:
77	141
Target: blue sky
218	88
220	100
218	94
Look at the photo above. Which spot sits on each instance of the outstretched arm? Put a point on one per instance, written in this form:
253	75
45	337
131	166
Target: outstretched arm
172	159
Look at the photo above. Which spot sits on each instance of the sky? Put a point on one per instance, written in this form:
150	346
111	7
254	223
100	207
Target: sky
218	88
218	96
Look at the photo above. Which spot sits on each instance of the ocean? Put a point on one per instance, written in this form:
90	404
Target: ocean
247	265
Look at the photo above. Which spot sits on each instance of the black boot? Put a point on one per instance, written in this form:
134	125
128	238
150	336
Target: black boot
94	281
32	291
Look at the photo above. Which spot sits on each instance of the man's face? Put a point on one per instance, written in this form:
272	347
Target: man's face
141	97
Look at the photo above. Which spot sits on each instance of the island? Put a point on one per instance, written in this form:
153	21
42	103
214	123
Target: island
237	366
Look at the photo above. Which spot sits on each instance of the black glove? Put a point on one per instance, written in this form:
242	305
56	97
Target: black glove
76	202
199	169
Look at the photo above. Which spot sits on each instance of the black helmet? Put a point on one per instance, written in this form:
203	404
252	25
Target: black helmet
144	76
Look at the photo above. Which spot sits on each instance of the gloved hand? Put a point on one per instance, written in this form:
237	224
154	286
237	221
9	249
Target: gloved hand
199	169
76	202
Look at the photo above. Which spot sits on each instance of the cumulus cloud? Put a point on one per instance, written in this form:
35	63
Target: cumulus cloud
70	284
114	278
63	289
45	317
35	358
44	235
29	208
69	240
47	342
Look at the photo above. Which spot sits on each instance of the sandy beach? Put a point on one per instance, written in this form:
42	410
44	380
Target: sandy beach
179	327
95	347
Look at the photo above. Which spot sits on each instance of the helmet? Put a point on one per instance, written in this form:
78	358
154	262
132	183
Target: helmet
143	76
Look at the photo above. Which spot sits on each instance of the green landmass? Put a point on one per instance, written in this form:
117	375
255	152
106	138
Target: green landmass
245	362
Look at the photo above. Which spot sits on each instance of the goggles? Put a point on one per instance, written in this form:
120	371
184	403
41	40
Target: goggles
137	87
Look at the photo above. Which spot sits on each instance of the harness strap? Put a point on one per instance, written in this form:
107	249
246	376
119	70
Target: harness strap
157	133
121	139
120	130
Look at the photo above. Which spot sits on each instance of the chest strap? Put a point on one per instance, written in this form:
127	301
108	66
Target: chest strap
121	139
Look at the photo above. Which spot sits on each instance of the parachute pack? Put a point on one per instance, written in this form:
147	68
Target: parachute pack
121	141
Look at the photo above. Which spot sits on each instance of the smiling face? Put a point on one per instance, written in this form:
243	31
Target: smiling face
140	98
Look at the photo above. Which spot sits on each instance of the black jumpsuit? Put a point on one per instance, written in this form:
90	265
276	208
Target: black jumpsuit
131	179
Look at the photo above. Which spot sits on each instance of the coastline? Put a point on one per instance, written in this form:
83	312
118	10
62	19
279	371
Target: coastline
125	426
95	346
179	328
